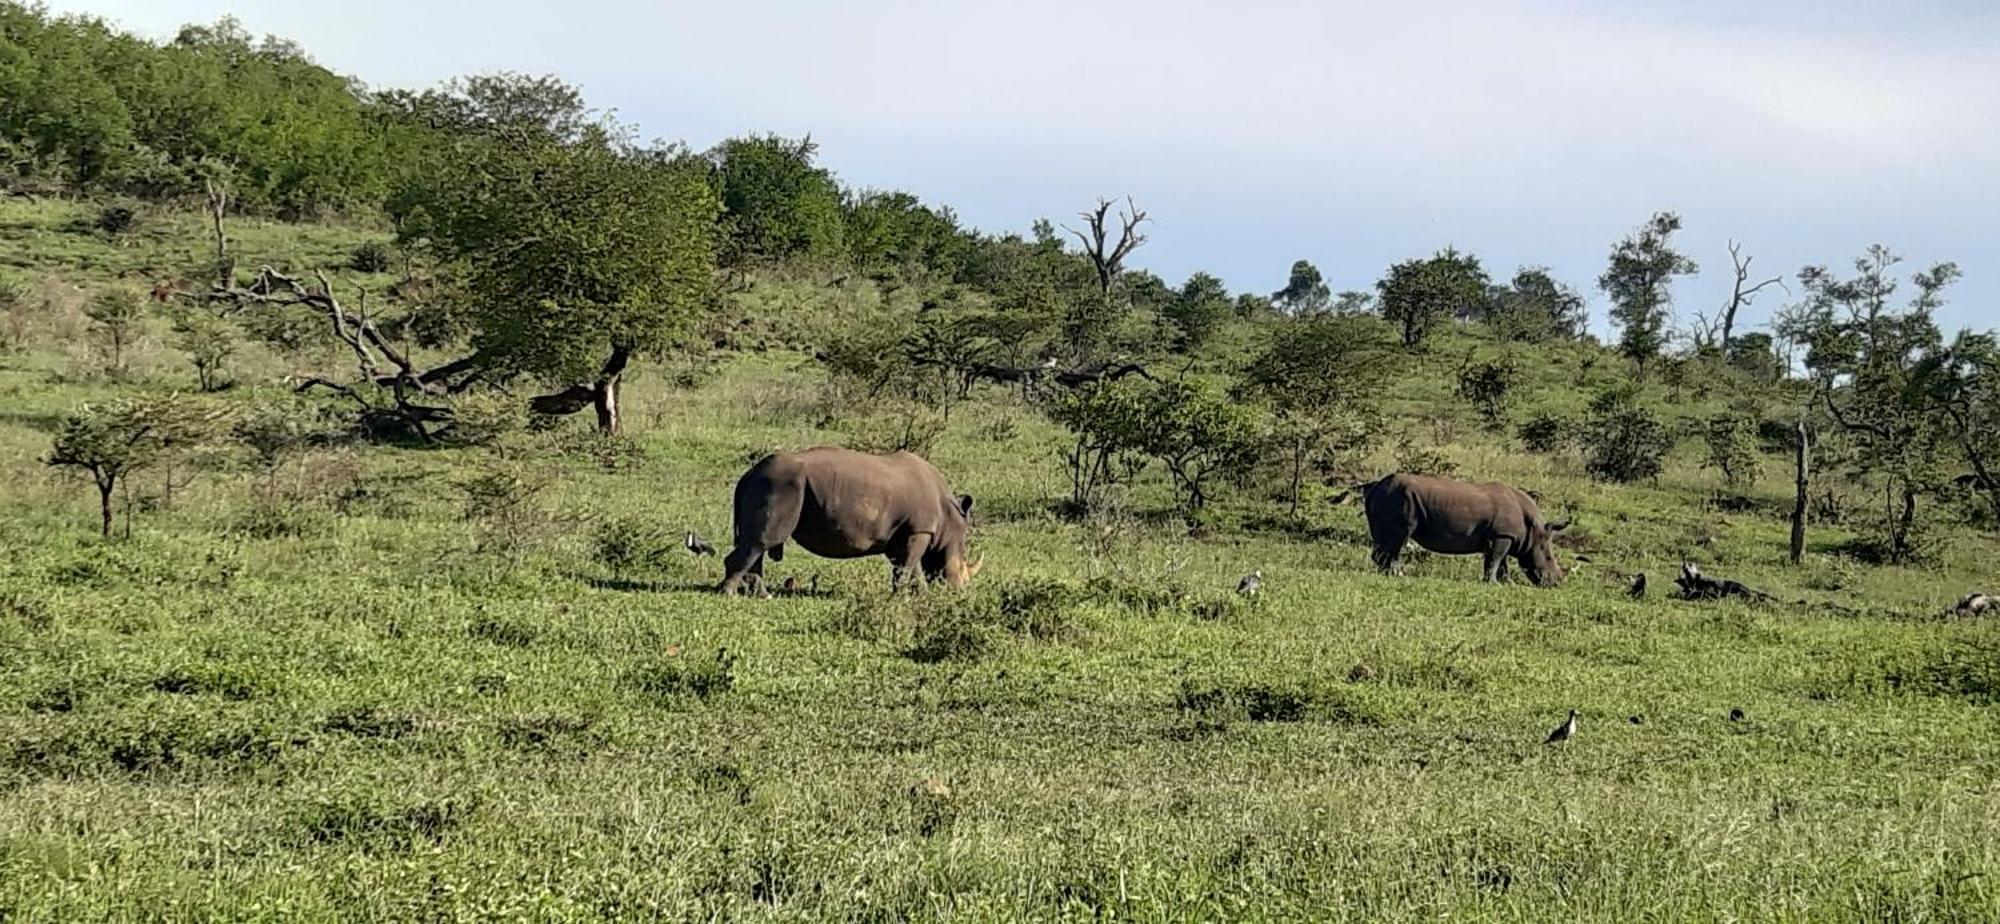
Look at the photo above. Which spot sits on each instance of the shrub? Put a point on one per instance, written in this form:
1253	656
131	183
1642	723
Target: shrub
370	257
678	678
622	542
502	501
1546	433
1488	385
1624	442
482	418
115	316
115	219
1731	449
208	341
1423	460
112	441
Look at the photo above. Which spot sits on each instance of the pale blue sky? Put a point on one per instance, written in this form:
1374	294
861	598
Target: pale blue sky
1256	133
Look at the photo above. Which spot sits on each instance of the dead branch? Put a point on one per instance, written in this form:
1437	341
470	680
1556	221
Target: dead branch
1107	256
1739	295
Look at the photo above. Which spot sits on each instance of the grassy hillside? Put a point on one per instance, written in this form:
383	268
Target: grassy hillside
364	687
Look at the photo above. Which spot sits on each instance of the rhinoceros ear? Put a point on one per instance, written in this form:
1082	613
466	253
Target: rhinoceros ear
965	504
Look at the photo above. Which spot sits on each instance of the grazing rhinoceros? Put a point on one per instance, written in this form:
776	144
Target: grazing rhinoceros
845	504
1461	518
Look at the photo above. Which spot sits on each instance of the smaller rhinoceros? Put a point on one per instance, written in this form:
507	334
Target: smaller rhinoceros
839	503
1461	518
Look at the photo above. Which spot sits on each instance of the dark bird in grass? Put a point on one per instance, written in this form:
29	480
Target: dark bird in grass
1973	604
791	585
815	586
1638	586
1637	720
1251	583
1565	731
1736	715
698	545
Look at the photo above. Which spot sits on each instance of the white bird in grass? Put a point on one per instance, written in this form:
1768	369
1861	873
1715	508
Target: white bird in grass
1251	583
1565	731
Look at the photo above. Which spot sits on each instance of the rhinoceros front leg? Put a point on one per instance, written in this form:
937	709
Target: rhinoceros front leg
744	566
1496	558
906	558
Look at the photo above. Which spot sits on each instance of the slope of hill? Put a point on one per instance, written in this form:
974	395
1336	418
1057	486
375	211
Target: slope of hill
390	682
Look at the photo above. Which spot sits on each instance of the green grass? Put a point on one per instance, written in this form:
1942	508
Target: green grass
397	715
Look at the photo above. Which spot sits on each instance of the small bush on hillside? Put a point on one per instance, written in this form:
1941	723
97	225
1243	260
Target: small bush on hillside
482	418
624	542
209	342
1489	385
1731	449
289	329
502	502
370	257
112	441
1547	433
115	317
16	302
1423	460
1623	441
115	219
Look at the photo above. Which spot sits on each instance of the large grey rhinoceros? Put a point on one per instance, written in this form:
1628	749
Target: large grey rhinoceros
1462	518
844	504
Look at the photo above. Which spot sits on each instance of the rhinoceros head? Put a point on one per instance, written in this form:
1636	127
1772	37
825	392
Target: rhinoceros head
1540	564
947	560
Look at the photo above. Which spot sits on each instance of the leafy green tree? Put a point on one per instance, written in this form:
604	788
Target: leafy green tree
1322	376
209	342
109	442
1731	443
115	317
565	244
1870	361
1418	295
1198	434
1535	307
1488	384
1197	311
1622	440
1305	291
1642	269
1106	420
894	231
1756	355
775	202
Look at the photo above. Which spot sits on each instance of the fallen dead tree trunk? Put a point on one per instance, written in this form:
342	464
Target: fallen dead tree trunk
412	391
1695	585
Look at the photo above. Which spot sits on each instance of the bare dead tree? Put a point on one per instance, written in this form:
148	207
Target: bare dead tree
1742	293
412	390
1106	254
217	194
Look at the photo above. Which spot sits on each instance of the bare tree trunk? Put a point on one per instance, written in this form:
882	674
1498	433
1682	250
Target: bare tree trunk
218	203
606	401
1800	486
104	489
1906	522
1740	296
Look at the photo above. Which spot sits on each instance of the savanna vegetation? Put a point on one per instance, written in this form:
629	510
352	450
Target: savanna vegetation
322	597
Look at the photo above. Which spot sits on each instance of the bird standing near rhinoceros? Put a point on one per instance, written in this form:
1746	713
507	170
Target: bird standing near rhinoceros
1462	518
839	503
